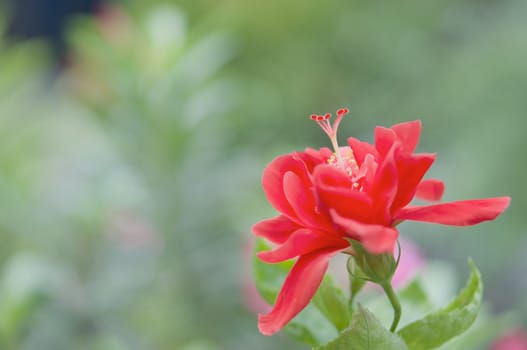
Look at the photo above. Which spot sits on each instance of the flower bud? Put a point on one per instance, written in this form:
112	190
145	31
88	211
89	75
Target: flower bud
378	268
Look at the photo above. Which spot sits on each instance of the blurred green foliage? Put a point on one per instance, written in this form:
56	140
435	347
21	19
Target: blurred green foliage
128	184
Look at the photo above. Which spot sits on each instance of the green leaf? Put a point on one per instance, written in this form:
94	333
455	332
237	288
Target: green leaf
331	301
311	327
318	322
443	325
269	277
365	333
415	293
487	328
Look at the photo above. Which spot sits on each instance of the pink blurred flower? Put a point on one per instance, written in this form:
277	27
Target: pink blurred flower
411	261
512	340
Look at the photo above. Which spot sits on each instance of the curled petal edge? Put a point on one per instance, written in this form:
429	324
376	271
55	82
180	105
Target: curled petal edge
276	230
408	133
430	190
375	238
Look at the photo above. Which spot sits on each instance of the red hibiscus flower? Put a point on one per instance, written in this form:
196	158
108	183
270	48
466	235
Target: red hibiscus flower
358	192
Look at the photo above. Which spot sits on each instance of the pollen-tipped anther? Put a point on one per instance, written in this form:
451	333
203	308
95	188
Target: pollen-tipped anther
331	129
342	112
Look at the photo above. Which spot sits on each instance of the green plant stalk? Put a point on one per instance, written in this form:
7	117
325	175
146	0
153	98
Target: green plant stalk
388	289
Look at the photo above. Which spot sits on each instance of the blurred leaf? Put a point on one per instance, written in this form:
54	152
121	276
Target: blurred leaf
486	329
414	292
365	333
311	327
439	327
269	277
330	300
200	345
26	284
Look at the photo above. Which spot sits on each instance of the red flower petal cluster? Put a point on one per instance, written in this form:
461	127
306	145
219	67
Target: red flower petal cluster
360	192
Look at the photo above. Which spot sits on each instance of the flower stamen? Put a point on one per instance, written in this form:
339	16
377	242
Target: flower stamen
331	130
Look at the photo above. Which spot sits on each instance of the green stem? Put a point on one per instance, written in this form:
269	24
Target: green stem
387	286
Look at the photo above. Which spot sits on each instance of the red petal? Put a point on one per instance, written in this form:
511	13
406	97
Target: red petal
335	190
384	140
461	213
410	170
298	289
408	133
273	178
312	157
384	187
302	242
361	150
366	173
430	190
277	230
375	238
302	200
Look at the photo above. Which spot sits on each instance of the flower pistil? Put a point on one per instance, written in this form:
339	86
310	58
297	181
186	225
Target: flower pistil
342	157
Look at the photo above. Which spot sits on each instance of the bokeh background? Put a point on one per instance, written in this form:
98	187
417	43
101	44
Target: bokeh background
133	136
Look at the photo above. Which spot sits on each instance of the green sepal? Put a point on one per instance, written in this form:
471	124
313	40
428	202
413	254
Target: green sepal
357	278
365	333
449	322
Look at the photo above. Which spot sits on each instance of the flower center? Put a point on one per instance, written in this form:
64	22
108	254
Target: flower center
347	161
